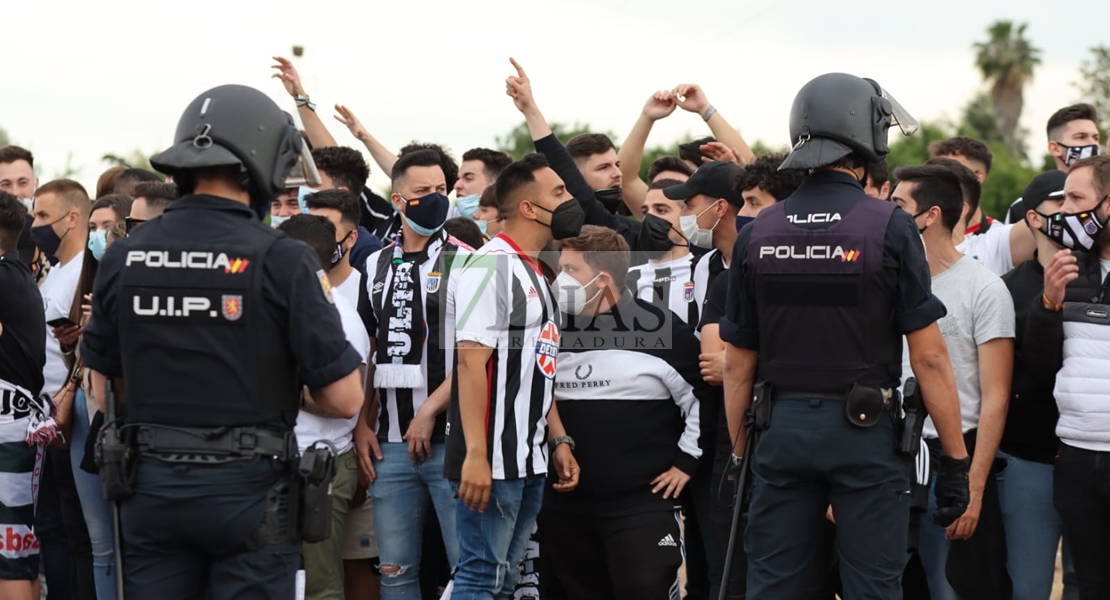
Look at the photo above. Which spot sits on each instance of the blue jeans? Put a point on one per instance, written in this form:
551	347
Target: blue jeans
97	510
401	493
492	543
1032	526
932	547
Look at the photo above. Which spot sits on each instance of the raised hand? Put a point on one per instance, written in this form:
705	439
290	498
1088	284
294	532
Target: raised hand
691	98
289	77
719	151
519	88
347	117
660	105
1061	270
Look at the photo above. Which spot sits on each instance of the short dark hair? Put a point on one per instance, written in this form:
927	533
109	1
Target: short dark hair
585	145
668	163
119	203
970	187
417	158
663	184
1060	118
345	166
10	154
603	249
341	200
513	179
691	150
130	177
1100	166
314	230
935	185
70	192
961	145
465	230
493	161
158	194
446	161
764	173
878	173
13	218
489	197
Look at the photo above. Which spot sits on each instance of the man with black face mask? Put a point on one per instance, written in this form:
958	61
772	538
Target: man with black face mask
667	279
1068	336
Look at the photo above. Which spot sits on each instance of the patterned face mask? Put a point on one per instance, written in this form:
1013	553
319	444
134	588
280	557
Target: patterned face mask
1077	231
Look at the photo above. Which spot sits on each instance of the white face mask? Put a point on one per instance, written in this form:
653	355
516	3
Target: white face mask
29	203
702	238
571	294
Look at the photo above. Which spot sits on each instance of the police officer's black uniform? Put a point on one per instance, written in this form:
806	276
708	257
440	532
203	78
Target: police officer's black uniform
823	286
214	322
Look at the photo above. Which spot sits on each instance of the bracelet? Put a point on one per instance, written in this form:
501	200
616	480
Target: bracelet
1049	304
562	439
709	112
302	100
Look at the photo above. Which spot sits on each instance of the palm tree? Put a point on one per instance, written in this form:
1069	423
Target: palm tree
1007	61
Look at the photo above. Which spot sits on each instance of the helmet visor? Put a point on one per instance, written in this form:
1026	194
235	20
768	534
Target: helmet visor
304	171
900	116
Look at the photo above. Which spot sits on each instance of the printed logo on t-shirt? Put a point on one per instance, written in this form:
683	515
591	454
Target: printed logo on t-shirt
547	349
688	291
432	284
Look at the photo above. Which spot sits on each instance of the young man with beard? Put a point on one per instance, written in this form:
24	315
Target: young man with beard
405	305
1067	337
666	280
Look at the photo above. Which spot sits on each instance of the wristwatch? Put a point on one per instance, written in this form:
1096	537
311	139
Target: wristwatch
302	100
562	439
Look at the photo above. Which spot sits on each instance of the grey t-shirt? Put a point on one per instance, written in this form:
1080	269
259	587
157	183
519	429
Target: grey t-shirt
979	310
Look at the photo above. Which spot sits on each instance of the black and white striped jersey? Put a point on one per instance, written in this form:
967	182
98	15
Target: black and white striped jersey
668	285
706	269
398	406
502	301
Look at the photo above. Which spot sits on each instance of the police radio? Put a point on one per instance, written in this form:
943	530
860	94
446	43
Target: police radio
909	436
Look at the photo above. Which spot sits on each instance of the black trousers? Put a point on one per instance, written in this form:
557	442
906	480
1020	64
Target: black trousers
615	558
1081	493
184	530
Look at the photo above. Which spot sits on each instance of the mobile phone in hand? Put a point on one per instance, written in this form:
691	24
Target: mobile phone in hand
61	322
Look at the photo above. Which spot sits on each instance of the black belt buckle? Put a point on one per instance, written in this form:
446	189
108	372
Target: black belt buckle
247	441
864	404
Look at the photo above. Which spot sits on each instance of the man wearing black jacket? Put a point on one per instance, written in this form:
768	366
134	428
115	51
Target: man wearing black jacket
1029	441
629	391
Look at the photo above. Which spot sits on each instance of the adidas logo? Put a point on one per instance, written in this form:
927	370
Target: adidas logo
667	541
532	293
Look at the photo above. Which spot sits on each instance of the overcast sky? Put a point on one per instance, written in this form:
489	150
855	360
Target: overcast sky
112	76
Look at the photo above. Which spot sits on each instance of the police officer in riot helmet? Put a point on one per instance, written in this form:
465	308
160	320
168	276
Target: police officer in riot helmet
822	288
206	327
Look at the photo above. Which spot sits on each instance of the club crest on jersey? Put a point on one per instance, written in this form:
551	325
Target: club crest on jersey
688	291
325	285
547	349
232	307
432	284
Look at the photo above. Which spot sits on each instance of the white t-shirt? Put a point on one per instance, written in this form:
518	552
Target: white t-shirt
1105	264
311	428
349	288
57	289
992	249
979	310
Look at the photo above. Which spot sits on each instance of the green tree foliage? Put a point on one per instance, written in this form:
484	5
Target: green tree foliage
4	139
1007	60
518	142
1094	84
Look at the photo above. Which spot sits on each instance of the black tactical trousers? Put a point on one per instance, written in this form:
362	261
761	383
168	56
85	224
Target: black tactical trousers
184	529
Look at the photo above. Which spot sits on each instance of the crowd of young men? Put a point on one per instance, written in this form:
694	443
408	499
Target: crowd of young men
546	403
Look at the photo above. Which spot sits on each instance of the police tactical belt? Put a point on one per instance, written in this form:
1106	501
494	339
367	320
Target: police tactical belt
237	442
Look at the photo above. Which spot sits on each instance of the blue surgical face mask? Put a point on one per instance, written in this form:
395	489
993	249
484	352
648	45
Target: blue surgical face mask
302	193
483	226
98	243
276	220
422	231
467	205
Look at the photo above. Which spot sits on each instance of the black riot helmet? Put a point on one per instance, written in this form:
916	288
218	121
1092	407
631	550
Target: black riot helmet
837	114
235	125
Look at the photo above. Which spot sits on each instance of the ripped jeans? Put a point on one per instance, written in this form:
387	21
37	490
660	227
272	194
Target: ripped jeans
492	544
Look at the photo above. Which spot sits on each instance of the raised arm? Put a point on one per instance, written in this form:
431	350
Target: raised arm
659	106
692	98
383	156
318	135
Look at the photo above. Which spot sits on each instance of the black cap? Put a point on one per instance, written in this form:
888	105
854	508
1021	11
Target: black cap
717	179
1046	186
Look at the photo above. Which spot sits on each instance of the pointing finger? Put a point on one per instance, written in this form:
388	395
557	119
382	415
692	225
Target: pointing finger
516	65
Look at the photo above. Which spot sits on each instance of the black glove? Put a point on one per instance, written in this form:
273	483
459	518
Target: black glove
952	490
